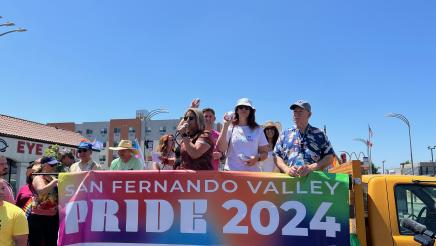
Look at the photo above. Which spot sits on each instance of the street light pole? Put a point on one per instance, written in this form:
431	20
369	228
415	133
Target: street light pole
431	151
367	152
8	24
15	30
406	121
383	166
147	117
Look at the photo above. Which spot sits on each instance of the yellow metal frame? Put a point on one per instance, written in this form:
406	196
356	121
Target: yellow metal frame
354	168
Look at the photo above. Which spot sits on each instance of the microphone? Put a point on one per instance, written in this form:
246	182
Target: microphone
183	128
413	226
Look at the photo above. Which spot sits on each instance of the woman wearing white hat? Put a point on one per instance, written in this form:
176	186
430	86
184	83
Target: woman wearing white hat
243	139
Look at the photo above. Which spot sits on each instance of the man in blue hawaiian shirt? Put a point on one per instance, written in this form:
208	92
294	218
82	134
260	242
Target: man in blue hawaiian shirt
302	143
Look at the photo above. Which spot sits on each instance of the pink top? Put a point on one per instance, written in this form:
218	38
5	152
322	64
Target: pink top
24	195
214	137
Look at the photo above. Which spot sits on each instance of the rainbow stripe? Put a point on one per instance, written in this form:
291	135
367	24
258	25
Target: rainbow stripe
267	203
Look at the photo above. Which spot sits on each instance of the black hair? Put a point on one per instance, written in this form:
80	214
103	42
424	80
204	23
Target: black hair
209	110
276	134
251	119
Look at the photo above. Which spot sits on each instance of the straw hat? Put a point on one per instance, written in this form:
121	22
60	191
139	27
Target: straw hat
124	144
270	123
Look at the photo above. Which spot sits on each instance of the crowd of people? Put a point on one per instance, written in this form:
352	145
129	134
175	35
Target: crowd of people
242	145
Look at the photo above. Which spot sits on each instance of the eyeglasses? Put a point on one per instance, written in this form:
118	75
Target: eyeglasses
189	118
243	107
82	150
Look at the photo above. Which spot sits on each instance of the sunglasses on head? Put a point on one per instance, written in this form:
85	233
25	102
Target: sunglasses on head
82	150
243	107
189	118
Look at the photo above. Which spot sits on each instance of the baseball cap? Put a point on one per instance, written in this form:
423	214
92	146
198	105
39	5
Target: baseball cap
49	160
301	104
85	145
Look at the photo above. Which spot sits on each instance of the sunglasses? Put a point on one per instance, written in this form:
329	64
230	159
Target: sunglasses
189	118
82	150
243	107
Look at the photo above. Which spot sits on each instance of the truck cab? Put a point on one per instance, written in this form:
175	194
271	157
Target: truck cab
378	203
390	198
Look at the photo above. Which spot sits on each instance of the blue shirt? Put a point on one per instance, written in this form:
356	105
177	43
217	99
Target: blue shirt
313	143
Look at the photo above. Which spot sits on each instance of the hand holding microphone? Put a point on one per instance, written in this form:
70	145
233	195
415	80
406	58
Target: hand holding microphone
183	128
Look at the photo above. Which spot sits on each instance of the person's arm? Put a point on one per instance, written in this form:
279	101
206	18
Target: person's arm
20	240
195	103
217	155
317	166
222	142
263	154
20	229
327	156
279	152
41	188
195	150
281	165
322	164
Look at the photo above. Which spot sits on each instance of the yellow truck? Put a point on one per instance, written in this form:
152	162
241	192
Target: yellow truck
380	204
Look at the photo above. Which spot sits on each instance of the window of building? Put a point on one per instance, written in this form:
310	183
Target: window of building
102	158
117	130
115	144
80	132
88	131
148	129
103	131
132	130
416	202
163	129
104	144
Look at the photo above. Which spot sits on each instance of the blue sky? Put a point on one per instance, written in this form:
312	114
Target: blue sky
355	61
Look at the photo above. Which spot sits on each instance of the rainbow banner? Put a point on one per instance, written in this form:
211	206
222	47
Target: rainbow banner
202	208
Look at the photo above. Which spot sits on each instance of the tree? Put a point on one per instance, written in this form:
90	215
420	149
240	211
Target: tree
375	170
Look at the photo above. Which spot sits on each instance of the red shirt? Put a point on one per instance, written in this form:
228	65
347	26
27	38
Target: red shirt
23	196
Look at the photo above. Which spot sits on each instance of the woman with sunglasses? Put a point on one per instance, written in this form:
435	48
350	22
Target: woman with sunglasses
44	217
243	139
196	147
167	156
